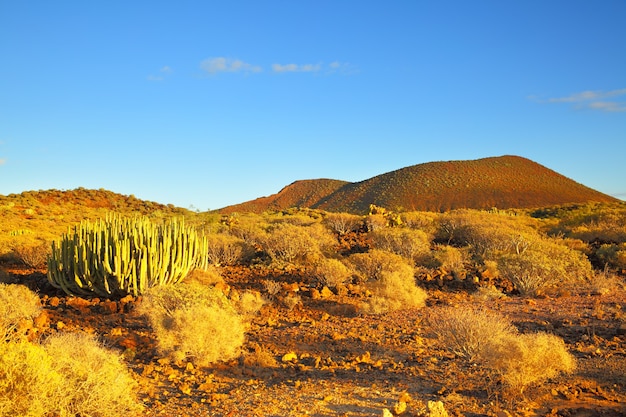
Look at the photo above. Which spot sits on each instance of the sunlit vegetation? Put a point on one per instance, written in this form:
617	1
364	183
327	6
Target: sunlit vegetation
383	261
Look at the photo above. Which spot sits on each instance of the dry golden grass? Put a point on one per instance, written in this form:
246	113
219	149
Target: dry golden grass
411	244
29	382
331	273
96	382
195	322
395	290
18	304
467	330
527	359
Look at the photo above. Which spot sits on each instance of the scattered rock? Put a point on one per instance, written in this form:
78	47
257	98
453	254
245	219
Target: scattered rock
436	409
290	357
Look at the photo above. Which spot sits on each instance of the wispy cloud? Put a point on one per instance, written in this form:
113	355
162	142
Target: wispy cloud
332	68
3	161
163	72
221	64
296	67
594	100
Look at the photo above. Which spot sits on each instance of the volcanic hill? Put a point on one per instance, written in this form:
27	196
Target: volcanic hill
502	182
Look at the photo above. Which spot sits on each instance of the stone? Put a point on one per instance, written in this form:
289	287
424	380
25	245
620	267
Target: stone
436	409
289	357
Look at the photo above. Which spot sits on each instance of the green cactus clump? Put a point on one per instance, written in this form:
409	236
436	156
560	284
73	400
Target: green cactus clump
119	255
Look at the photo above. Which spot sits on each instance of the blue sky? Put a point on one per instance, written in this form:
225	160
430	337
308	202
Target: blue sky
204	104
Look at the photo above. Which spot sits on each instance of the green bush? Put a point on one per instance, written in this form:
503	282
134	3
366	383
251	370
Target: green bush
193	321
119	256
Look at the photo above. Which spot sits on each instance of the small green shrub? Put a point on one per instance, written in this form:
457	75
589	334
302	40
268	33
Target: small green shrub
193	321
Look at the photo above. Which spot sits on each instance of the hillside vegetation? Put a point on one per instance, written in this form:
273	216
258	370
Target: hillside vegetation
502	182
296	310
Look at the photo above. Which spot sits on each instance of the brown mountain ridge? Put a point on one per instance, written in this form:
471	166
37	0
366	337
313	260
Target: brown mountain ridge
503	182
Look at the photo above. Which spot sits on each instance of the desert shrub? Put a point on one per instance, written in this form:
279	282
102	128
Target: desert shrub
224	249
374	222
408	243
325	240
289	244
370	265
118	256
449	258
390	278
95	380
248	303
526	359
29	382
589	222
545	264
612	254
250	228
421	220
395	290
485	232
342	223
32	255
210	276
489	339
332	272
467	330
18	304
193	321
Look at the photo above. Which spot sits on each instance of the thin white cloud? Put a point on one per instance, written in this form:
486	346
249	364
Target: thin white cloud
221	64
610	106
296	67
3	161
588	95
164	71
594	100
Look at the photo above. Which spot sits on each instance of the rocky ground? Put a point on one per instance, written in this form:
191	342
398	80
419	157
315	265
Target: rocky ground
310	353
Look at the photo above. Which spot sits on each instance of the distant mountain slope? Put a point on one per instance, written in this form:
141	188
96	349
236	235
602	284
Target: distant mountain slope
304	193
503	182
